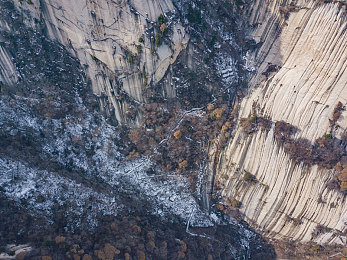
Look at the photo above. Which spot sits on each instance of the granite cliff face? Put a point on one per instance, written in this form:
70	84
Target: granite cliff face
116	42
67	185
179	63
300	78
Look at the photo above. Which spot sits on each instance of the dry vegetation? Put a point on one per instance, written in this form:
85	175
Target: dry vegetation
132	237
327	151
176	142
252	123
336	114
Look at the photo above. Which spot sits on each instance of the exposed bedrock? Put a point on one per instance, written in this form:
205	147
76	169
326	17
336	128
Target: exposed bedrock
119	43
300	78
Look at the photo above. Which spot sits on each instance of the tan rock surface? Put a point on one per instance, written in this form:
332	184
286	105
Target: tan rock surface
311	55
101	35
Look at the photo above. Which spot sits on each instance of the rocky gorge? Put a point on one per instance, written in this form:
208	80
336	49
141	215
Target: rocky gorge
173	129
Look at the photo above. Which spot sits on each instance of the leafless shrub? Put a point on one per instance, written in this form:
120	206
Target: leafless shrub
283	131
337	113
320	229
265	123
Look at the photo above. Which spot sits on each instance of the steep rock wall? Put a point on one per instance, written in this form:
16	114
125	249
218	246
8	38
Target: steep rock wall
105	35
8	74
307	44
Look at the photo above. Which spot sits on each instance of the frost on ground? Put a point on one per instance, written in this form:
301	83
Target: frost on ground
55	147
42	190
61	163
88	146
226	67
73	165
